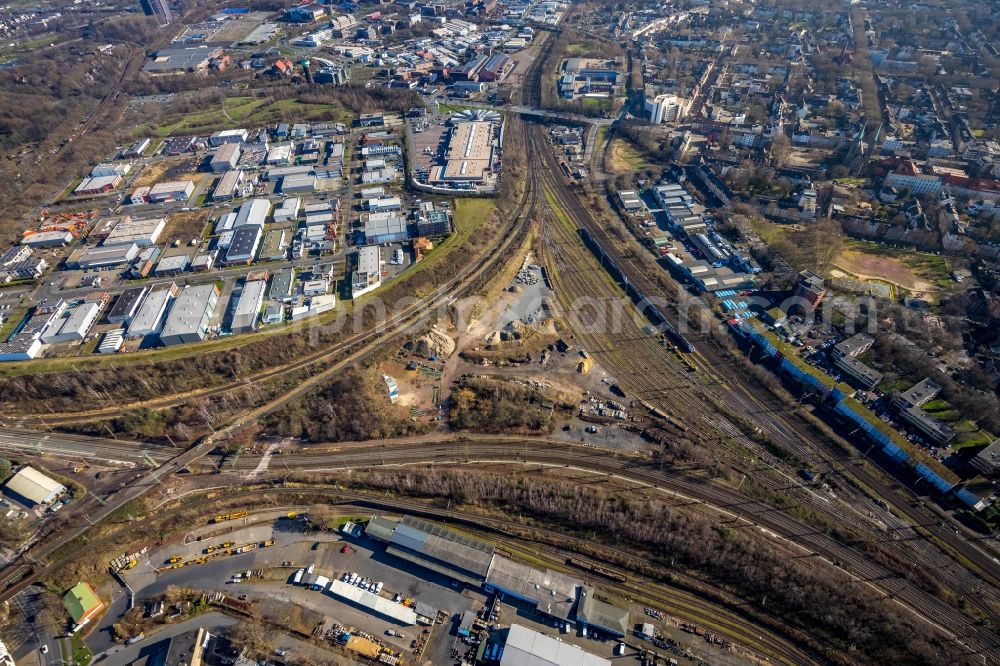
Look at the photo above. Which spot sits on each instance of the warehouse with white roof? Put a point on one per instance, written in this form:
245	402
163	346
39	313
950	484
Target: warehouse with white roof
373	603
149	319
526	647
32	487
245	319
190	316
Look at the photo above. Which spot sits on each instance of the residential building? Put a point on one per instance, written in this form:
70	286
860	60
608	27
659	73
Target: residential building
82	604
810	288
987	461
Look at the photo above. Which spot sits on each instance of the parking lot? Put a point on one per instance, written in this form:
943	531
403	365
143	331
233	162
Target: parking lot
323	550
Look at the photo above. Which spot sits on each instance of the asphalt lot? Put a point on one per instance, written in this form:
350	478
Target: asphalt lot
323	550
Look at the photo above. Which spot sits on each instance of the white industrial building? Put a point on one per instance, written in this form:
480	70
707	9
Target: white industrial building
74	326
190	316
229	186
112	341
143	233
288	210
174	190
32	487
368	274
226	157
245	319
228	136
253	212
527	647
48	239
373	603
149	319
279	154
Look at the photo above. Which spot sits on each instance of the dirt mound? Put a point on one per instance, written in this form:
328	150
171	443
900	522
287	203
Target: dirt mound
434	343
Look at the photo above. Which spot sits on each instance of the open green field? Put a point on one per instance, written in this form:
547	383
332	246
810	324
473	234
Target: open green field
240	111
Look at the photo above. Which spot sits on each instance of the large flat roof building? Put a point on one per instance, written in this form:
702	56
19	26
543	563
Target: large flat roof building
252	213
141	232
243	247
368	274
181	59
75	326
441	550
600	614
246	318
173	190
987	461
190	316
527	647
149	319
469	156
32	487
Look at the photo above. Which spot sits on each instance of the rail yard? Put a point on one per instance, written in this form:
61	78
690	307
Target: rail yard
559	361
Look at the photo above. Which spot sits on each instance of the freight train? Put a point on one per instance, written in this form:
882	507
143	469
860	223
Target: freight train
597	569
651	312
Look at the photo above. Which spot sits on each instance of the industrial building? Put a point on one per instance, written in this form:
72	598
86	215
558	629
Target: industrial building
74	327
295	183
102	257
282	286
243	247
140	232
368	273
149	318
174	190
469	156
252	213
593	611
48	239
228	136
26	343
112	341
127	305
527	647
387	227
811	289
274	247
441	550
226	157
549	592
172	265
190	316
373	603
229	185
97	185
245	317
181	59
288	210
31	487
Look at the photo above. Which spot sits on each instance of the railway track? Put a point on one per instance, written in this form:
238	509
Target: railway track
626	344
724	615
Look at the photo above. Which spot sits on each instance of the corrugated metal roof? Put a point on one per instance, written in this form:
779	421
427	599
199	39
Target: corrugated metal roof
34	486
526	647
